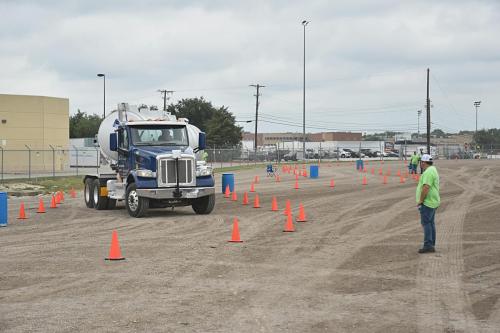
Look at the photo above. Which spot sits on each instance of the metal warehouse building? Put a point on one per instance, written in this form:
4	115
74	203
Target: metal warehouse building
34	132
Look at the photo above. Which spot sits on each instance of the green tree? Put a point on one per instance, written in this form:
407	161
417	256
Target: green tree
488	137
218	123
439	133
82	125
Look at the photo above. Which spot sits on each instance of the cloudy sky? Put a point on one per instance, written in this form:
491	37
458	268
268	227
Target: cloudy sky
366	60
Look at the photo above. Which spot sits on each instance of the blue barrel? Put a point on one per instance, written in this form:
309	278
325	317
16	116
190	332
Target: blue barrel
228	179
313	171
3	209
359	165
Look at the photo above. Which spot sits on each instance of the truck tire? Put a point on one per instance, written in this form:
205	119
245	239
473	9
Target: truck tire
204	205
88	193
136	206
100	202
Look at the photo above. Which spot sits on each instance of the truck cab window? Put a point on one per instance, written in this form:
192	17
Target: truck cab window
122	139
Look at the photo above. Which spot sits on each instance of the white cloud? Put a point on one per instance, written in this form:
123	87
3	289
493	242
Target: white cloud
366	60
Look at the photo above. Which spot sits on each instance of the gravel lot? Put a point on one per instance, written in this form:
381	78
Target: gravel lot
352	267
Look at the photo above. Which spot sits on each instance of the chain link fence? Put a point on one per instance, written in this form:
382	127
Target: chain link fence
31	163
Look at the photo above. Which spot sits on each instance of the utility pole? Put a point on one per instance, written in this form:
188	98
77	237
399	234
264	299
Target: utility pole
257	86
165	98
428	106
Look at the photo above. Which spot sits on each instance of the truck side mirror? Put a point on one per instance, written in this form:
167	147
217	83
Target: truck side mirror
202	141
113	142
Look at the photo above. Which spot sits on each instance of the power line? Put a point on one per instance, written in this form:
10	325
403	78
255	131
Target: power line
165	92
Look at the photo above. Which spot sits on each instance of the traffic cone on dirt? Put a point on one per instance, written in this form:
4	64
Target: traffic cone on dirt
114	250
256	180
274	205
256	202
22	213
235	237
373	171
62	196
332	183
302	214
41	207
53	202
296	185
398	173
417	177
288	208
227	192
385	180
58	198
73	193
234	196
380	172
365	181
289	227
245	198
401	180
252	188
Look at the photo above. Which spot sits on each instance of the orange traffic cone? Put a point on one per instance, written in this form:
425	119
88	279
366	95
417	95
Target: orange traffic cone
114	250
53	202
380	172
58	198
296	185
332	183
373	171
256	180
365	181
288	208
256	203
245	198
234	197
302	214
73	193
22	213
289	227
385	180
41	207
252	188
274	206
398	173
417	177
401	179
278	179
227	192
235	237
62	196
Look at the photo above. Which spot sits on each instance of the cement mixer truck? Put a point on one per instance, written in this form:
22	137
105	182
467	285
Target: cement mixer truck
149	159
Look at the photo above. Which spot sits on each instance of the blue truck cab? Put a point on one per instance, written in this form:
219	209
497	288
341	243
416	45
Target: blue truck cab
150	159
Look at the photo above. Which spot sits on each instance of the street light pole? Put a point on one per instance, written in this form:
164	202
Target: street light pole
304	24
419	112
477	104
104	85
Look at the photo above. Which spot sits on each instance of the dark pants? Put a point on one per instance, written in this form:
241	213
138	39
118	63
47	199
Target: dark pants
427	220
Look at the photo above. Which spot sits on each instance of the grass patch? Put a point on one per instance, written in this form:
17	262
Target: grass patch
50	184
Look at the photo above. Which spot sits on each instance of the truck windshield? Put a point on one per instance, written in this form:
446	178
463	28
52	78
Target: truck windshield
165	135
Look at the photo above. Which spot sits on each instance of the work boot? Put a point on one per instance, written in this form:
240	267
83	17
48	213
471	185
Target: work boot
427	250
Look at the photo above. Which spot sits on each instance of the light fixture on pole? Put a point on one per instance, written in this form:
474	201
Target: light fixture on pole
304	24
104	94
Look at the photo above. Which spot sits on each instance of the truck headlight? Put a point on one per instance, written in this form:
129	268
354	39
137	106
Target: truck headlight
146	173
203	170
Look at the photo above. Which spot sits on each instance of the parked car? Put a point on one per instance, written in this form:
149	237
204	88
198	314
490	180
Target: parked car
343	153
369	152
354	153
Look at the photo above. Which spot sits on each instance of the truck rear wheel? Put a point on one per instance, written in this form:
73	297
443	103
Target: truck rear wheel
88	193
136	206
204	205
100	202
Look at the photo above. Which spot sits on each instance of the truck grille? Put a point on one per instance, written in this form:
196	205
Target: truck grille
168	172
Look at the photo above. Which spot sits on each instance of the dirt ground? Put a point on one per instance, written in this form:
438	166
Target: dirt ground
352	267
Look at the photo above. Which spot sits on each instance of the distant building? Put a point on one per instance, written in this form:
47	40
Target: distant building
33	123
273	138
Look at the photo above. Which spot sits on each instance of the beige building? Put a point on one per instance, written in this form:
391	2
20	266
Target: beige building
34	123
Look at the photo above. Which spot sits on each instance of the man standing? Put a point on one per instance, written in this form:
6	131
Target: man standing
428	201
414	162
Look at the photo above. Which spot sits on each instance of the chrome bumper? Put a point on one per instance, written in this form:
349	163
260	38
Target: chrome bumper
168	193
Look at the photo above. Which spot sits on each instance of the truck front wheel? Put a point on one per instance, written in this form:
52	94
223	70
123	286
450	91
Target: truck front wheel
204	205
88	193
136	206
